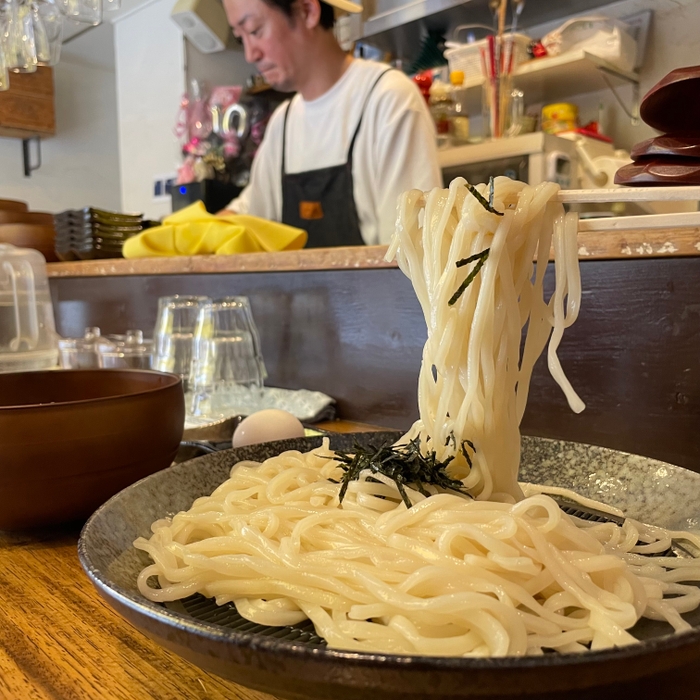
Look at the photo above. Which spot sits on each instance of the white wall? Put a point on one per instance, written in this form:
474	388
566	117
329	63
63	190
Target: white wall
226	67
150	85
80	165
674	41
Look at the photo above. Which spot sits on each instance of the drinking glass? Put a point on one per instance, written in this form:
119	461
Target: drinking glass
4	73
227	366
128	351
80	353
87	11
496	105
17	36
174	334
48	32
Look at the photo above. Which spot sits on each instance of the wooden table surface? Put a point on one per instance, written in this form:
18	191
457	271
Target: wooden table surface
60	641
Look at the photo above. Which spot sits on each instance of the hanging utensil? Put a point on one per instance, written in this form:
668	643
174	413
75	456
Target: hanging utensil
518	6
494	6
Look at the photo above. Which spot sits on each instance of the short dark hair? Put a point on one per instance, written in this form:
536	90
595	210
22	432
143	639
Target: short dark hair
327	20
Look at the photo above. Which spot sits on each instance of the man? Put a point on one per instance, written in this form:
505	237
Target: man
354	137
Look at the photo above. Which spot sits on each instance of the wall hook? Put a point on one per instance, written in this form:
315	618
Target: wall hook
26	155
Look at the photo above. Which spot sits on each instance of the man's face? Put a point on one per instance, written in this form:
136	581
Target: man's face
270	40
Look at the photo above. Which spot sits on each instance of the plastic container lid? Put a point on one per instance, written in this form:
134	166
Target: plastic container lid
28	339
457	78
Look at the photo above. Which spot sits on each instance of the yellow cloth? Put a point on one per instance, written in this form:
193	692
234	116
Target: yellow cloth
194	231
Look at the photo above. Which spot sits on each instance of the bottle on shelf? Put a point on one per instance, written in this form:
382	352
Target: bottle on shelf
442	111
459	125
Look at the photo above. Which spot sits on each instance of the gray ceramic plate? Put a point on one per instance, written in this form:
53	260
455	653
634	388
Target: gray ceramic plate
295	663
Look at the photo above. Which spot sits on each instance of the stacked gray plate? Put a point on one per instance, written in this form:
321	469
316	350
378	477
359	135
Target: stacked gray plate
85	234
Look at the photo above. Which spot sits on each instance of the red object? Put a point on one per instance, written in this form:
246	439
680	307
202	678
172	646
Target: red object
511	51
424	82
484	69
492	54
537	49
591	130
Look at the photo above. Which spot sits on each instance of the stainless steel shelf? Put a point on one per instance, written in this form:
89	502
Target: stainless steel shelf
551	79
396	25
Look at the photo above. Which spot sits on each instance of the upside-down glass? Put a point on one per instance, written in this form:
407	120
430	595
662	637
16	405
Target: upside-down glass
227	365
48	32
174	334
130	351
4	73
87	11
17	36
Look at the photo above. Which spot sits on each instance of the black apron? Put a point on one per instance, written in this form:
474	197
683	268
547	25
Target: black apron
322	201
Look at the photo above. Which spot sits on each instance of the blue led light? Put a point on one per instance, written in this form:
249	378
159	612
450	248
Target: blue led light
183	190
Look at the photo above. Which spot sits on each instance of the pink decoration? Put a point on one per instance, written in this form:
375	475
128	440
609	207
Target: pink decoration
185	173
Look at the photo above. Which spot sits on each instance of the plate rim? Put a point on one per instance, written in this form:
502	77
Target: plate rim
217	633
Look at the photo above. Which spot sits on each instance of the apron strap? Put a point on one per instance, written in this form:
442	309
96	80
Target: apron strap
362	114
284	138
354	136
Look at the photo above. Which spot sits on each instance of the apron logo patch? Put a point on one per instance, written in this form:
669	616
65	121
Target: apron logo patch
310	211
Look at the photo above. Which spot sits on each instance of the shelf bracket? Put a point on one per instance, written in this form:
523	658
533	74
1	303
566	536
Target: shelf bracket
632	113
29	168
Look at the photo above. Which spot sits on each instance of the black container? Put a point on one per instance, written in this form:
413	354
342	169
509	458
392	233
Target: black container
215	194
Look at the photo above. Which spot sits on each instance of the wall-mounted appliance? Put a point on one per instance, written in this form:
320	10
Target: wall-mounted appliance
203	22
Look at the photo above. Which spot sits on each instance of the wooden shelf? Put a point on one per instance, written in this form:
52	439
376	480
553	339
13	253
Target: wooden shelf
576	73
27	108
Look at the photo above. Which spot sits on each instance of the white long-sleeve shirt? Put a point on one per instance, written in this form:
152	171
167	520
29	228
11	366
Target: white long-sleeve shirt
395	148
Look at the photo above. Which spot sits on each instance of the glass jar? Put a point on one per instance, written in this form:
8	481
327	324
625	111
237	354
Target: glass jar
441	109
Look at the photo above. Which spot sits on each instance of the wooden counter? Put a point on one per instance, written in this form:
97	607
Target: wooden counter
352	258
612	245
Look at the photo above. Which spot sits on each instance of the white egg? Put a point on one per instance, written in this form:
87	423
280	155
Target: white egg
265	426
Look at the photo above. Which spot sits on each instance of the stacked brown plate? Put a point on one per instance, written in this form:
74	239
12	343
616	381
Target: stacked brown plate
13	205
26	229
85	234
671	106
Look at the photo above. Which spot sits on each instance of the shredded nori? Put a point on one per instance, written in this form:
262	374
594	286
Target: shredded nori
481	258
405	465
483	201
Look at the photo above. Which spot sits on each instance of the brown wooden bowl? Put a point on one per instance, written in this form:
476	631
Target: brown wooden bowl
673	104
25	234
71	439
8	216
33	236
13	205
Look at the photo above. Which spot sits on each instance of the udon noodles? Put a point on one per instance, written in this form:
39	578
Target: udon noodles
503	572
